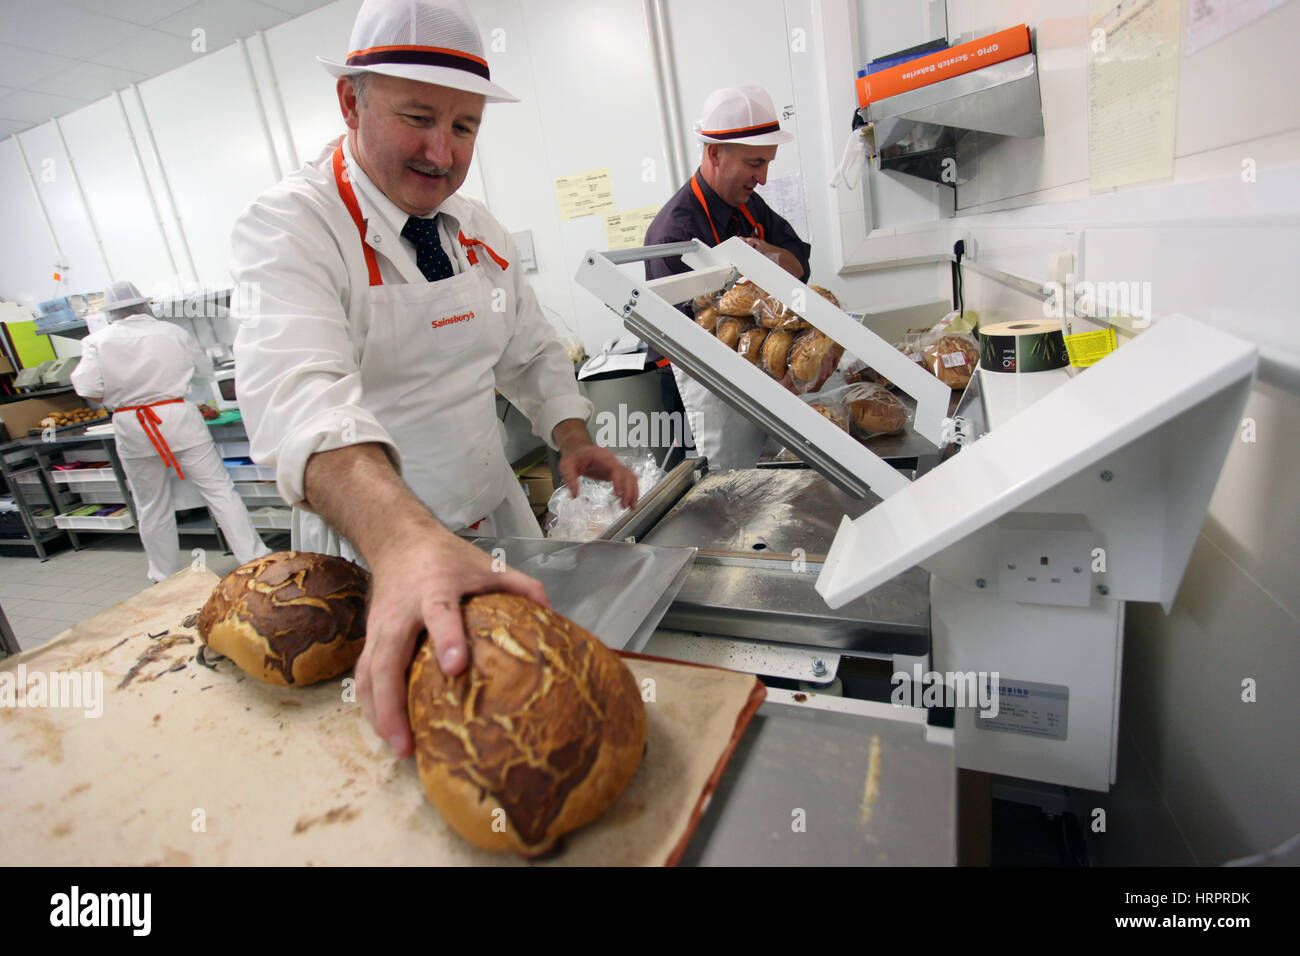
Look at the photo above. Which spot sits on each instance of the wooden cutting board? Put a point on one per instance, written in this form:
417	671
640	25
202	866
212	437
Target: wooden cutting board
190	765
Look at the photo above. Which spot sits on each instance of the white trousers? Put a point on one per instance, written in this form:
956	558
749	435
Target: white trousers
723	435
153	503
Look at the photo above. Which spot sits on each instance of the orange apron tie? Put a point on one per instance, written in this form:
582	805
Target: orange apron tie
744	211
349	197
469	245
150	421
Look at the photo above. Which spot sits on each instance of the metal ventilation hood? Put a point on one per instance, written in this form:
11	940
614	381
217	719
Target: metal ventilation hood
917	130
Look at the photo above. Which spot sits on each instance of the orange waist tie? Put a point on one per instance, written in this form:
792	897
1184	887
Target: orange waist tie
150	421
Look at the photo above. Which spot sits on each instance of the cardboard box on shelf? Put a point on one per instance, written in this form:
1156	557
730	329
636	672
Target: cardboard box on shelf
538	484
20	416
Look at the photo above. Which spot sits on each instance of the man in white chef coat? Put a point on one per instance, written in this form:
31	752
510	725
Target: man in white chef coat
142	368
380	312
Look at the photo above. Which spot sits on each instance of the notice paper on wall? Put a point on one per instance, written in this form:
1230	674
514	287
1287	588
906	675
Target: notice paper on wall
626	230
1133	56
1209	21
584	194
785	195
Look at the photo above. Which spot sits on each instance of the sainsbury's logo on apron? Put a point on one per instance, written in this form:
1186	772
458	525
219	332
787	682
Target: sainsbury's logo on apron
453	319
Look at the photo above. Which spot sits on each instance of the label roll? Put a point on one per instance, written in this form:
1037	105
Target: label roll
1023	346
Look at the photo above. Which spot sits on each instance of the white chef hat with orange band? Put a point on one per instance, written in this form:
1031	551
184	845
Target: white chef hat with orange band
741	114
431	41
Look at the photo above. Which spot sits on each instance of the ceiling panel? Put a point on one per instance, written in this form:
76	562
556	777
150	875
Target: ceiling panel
224	21
86	81
295	7
59	55
37	107
143	12
53	27
161	52
19	66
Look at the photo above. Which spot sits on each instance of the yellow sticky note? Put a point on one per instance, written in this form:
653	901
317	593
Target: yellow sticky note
626	230
584	194
1088	348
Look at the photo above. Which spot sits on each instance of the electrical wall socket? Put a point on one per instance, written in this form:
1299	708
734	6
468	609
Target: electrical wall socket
1045	559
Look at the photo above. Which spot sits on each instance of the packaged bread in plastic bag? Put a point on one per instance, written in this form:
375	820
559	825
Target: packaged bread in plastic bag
750	344
951	356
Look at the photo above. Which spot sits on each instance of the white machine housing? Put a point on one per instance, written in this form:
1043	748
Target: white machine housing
1088	490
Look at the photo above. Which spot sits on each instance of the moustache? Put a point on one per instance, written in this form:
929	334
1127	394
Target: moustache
430	170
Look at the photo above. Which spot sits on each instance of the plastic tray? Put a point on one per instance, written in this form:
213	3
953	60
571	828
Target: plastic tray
278	519
89	523
251	472
77	476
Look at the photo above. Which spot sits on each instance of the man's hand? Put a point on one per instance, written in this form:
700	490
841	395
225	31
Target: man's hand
420	572
783	257
580	456
418	583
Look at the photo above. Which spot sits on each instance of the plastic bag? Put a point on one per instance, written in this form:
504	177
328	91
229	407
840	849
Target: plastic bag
706	311
731	328
868	409
773	314
810	362
952	356
743	299
857	371
595	509
750	345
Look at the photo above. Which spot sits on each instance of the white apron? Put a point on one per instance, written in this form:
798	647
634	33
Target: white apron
427	356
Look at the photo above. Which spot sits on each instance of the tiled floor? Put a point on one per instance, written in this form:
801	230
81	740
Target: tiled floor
44	598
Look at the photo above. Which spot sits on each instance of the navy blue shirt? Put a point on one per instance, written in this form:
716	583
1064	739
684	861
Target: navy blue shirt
683	218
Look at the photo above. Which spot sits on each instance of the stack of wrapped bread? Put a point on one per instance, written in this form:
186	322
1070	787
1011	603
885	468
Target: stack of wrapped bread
771	335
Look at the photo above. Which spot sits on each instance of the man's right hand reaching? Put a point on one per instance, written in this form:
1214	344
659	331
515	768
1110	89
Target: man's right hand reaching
420	571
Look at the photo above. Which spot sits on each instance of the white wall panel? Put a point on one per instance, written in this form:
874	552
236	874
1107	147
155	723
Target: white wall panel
584	75
308	90
214	150
67	213
26	251
707	58
100	144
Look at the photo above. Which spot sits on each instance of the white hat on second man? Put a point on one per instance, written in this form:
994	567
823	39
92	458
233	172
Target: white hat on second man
741	114
119	295
432	41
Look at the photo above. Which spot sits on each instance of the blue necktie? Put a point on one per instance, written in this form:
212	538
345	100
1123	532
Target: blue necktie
429	254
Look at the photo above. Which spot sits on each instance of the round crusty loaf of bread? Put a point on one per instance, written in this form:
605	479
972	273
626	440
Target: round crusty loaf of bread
874	410
835	415
545	724
776	349
952	359
290	618
750	344
774	315
731	328
707	319
812	356
744	298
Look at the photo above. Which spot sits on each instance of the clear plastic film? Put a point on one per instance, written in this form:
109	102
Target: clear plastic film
596	508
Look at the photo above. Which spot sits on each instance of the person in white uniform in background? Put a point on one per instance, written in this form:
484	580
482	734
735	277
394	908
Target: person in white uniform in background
141	369
382	310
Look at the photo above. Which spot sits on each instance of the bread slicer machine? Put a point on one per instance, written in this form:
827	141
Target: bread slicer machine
1059	496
